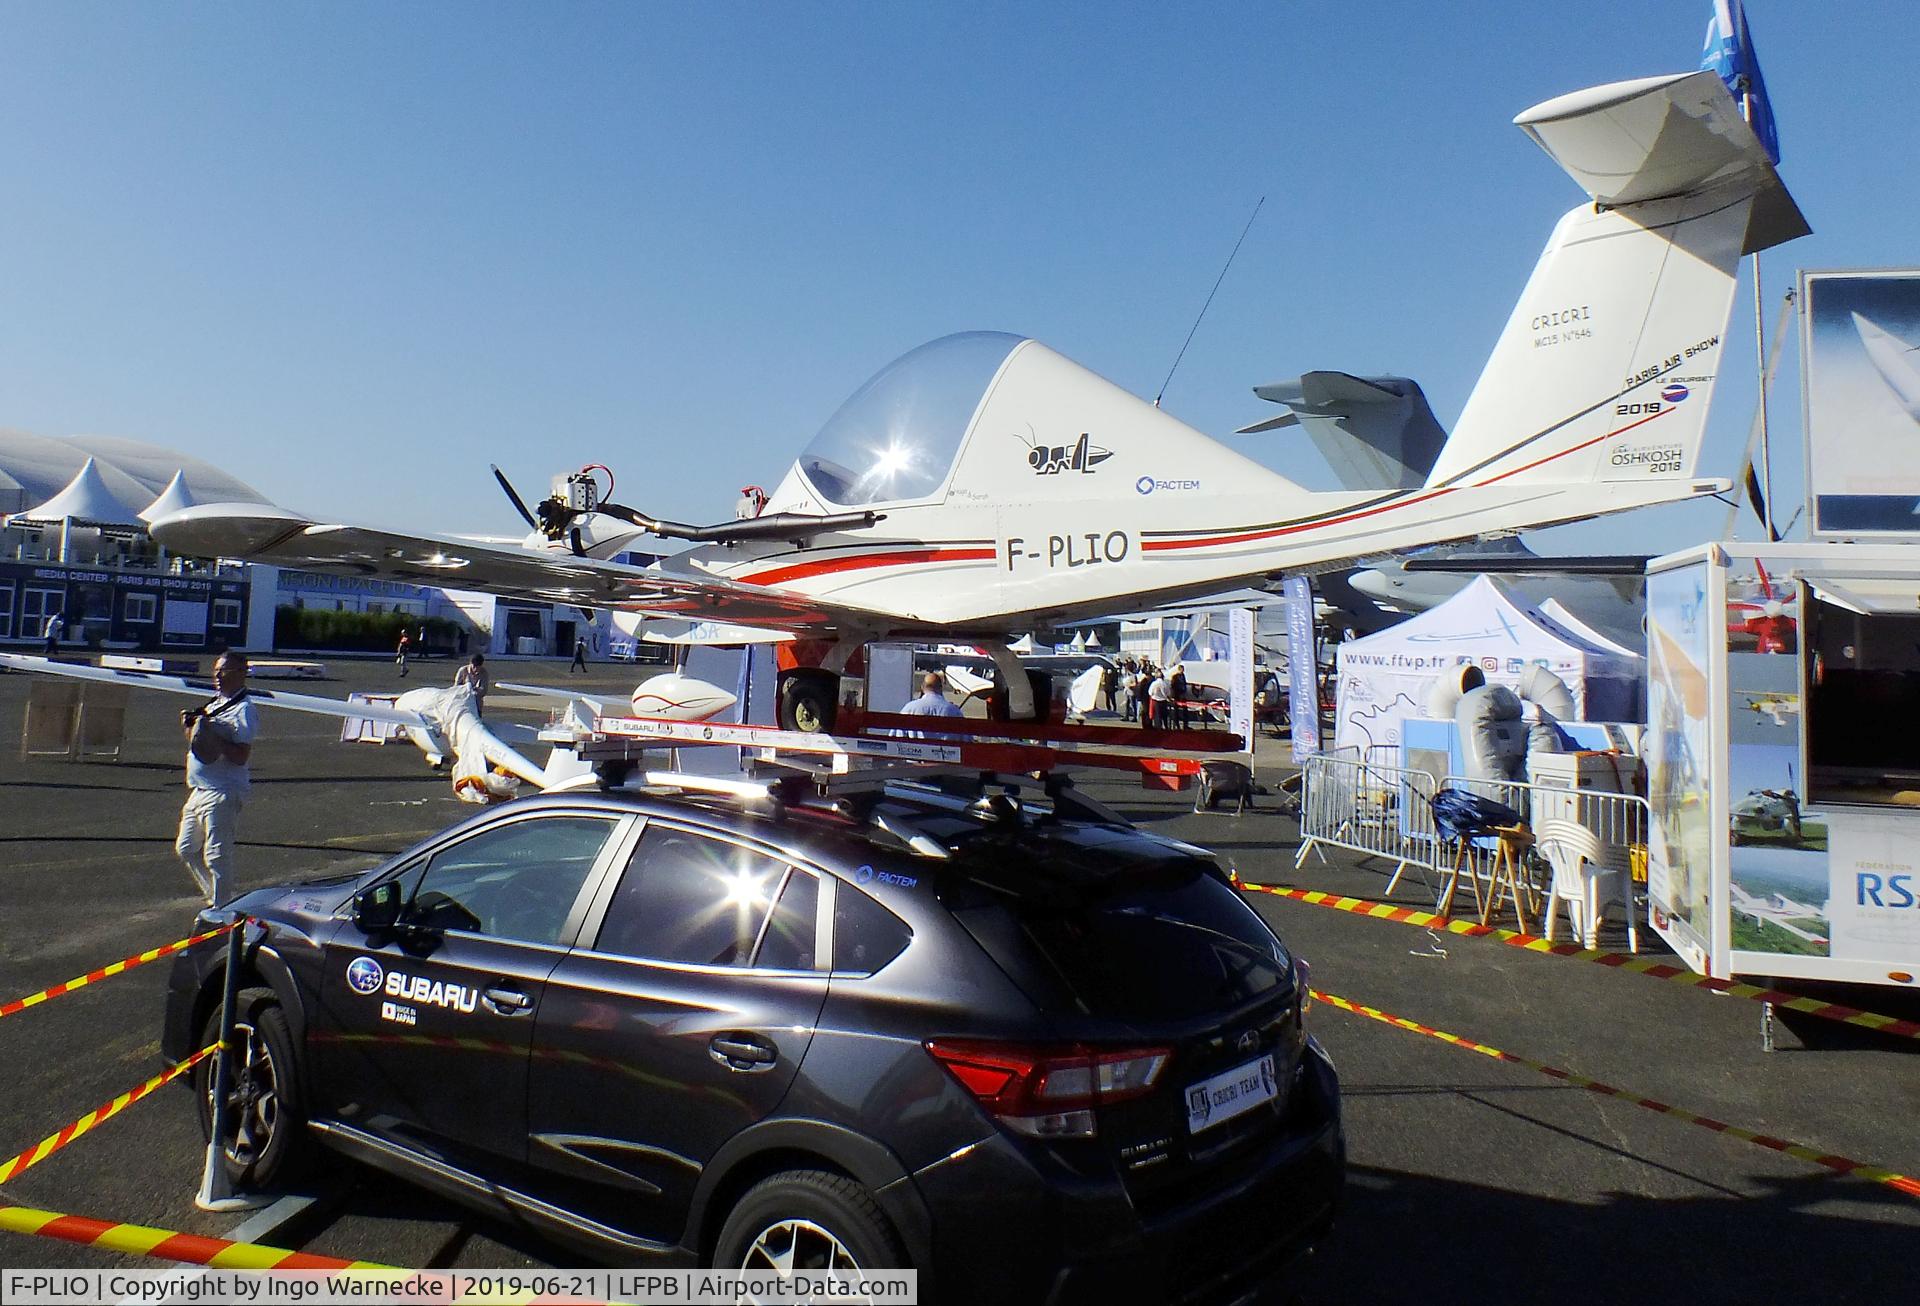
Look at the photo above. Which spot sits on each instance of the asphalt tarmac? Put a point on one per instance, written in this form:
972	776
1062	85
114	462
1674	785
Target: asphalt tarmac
1472	1180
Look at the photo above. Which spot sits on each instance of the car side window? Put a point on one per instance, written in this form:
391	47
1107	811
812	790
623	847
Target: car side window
866	936
514	881
788	941
689	898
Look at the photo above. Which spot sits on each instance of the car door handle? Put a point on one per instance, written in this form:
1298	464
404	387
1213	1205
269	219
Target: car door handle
506	1001
746	1052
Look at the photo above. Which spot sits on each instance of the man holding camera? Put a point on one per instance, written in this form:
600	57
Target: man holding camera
219	738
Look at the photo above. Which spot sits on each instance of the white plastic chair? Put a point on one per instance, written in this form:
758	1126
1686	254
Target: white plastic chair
1587	875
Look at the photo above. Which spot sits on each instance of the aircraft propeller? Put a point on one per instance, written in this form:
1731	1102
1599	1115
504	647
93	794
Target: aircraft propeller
557	519
519	504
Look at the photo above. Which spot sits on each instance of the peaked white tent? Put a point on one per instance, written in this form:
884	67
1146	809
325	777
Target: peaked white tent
87	500
1384	678
172	499
1562	615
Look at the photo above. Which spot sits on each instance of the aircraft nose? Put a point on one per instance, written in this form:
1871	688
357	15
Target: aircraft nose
1372	582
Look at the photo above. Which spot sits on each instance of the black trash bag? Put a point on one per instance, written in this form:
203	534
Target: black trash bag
1460	815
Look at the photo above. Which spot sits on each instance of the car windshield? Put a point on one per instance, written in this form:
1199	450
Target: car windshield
896	438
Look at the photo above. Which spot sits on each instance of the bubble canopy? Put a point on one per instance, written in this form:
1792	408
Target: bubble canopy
897	437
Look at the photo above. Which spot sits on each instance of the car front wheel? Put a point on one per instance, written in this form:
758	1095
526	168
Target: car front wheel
265	1142
808	1221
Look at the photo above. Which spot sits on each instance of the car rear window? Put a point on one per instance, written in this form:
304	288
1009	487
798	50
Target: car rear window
866	936
1149	941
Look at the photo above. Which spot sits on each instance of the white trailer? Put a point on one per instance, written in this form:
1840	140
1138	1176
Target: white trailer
1783	759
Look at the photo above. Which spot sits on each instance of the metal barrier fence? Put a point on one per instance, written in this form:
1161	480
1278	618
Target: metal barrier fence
1387	812
1368	808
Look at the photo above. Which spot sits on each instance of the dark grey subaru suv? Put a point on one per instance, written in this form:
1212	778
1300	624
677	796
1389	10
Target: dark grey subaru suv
998	1035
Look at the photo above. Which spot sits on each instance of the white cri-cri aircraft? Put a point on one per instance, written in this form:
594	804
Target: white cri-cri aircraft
443	723
983	483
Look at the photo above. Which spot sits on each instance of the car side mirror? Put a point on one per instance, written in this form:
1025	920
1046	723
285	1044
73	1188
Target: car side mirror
377	910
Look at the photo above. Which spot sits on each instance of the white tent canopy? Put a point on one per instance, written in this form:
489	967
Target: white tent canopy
172	499
86	499
1384	678
1563	616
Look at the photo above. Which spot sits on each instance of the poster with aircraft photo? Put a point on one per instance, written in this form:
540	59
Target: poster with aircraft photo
1860	364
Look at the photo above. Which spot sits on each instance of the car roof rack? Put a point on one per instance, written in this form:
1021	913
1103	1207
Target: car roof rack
991	770
957	746
883	800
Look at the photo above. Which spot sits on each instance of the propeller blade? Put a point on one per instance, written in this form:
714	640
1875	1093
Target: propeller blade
518	503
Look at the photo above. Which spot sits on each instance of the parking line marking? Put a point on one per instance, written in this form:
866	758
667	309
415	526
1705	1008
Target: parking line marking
107	972
1843	1165
1652	967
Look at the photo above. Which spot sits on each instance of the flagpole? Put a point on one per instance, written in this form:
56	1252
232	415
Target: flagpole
1760	360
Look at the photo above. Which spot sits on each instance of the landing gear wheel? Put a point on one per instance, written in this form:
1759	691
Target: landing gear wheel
266	1143
808	1221
807	702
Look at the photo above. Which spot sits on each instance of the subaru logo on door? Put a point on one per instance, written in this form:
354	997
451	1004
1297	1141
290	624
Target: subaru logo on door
364	975
1674	393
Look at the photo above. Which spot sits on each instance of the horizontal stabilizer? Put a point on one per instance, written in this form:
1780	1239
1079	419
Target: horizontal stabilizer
1657	138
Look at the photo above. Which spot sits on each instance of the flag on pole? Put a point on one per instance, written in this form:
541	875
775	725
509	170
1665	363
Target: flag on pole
1729	52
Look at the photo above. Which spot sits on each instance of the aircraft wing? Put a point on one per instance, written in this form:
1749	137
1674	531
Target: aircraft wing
1611	564
204	689
261	533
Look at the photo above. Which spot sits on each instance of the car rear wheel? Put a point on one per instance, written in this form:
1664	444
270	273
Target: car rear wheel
808	1221
265	1143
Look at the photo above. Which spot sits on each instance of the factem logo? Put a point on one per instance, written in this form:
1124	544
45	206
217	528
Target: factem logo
364	975
1148	484
867	875
1047	460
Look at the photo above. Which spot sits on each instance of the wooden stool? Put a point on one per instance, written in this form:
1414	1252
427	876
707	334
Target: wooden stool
1505	879
1462	865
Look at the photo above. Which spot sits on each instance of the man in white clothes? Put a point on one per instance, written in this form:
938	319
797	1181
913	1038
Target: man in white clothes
933	700
219	745
1160	702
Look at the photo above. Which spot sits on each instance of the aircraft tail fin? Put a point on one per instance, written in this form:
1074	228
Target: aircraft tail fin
1606	367
1376	432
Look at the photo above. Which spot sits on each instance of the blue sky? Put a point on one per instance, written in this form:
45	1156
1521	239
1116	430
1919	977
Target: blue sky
353	253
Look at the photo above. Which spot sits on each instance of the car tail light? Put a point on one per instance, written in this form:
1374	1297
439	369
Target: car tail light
1302	986
1049	1090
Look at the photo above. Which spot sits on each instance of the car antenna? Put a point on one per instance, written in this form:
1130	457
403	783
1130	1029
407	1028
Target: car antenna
1209	304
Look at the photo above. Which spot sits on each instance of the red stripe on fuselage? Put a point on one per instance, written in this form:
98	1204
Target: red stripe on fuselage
860	562
1155	546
